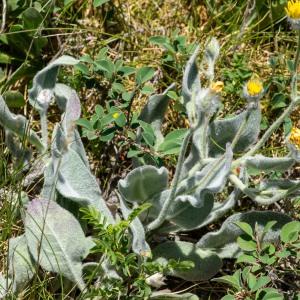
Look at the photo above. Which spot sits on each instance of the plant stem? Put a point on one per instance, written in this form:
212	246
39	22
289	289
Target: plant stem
297	55
44	129
163	213
240	130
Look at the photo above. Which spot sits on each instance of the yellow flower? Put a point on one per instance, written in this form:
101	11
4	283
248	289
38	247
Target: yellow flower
116	115
254	87
293	13
295	137
217	86
293	9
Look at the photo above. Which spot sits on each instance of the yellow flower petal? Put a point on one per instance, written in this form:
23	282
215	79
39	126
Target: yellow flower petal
295	137
217	86
254	87
293	9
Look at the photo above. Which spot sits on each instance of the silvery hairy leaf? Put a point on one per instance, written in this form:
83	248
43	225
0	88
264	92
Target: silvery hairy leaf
211	54
221	208
56	240
19	152
223	242
5	286
191	85
21	266
160	295
80	186
195	200
223	131
268	164
143	183
41	93
206	263
18	125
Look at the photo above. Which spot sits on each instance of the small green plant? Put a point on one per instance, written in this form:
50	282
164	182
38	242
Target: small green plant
132	275
176	50
268	269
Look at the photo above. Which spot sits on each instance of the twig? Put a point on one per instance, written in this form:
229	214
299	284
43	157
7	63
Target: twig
4	8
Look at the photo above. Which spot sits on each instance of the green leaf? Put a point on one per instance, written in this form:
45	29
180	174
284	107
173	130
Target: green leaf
228	297
85	123
82	68
127	70
44	82
233	280
118	88
147	90
106	65
97	3
246	228
144	74
31	18
268	227
261	282
290	232
251	280
133	153
148	133
246	243
5	58
269	294
86	58
14	99
159	40
279	100
172	142
139	244
244	258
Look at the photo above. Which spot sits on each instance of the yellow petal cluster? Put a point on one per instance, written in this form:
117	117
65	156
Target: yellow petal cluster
295	137
217	86
254	87
293	9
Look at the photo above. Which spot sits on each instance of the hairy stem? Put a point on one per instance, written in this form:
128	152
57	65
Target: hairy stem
163	213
